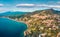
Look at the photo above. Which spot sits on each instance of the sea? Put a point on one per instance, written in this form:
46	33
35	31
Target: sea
11	28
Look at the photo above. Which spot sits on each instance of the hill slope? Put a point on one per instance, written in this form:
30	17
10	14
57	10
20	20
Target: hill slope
12	13
45	22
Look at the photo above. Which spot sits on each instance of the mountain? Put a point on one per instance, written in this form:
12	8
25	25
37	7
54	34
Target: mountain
44	22
17	13
42	12
12	13
48	11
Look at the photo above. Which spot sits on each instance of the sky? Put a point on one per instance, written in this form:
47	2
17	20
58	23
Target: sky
28	5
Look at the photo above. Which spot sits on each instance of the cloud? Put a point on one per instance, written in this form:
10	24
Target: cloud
39	5
33	7
51	6
54	6
1	5
48	6
25	5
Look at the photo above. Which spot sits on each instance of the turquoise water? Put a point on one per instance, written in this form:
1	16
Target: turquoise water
10	28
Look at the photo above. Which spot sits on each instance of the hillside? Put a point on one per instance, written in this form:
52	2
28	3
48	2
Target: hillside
42	22
12	14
